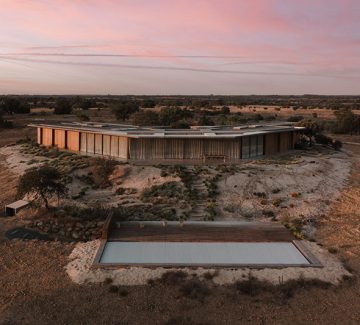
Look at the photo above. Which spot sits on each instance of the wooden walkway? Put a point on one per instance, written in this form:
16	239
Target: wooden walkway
202	232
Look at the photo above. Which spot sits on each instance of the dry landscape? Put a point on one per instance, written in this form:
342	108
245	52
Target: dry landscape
319	187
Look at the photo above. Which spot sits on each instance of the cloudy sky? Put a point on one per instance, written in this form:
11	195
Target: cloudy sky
180	46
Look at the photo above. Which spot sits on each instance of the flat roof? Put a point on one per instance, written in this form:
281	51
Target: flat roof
160	132
17	205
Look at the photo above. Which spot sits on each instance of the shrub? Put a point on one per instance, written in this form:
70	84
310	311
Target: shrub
62	106
295	118
210	275
276	202
268	213
252	286
169	190
113	289
173	277
195	289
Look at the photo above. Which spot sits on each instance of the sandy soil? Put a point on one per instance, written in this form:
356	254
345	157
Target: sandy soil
303	187
80	271
18	161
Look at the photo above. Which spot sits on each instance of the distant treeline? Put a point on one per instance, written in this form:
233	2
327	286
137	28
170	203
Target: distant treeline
184	111
304	101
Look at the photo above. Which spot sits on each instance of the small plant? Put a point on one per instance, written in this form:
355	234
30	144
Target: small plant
210	275
123	292
173	277
332	250
230	208
108	281
260	194
276	202
166	190
195	289
268	213
113	289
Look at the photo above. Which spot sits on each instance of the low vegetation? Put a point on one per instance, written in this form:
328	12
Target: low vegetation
169	190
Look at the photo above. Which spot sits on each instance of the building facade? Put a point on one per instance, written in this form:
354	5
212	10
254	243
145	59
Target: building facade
133	143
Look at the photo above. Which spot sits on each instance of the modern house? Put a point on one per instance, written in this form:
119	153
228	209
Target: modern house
200	143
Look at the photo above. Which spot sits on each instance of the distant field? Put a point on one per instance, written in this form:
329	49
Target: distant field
327	114
41	110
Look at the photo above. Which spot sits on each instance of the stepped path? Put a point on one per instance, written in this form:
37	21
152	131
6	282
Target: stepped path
199	205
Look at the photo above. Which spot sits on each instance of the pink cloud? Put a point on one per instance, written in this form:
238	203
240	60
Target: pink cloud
310	35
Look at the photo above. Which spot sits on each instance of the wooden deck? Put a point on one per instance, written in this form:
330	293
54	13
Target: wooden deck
200	232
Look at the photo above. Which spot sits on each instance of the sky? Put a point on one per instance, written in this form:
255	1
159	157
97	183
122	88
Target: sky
173	47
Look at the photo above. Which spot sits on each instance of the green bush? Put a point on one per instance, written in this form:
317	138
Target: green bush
167	190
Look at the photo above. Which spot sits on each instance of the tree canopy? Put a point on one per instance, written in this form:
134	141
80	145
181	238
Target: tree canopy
346	122
123	110
13	105
145	118
63	106
42	183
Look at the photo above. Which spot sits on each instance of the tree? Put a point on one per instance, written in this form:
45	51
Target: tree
62	106
311	129
148	103
205	120
181	124
123	110
225	110
171	115
4	123
42	183
15	105
346	122
145	117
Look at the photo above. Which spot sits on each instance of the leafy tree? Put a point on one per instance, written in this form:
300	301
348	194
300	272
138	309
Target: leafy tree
346	122
205	120
225	110
15	105
123	110
311	129
145	117
182	124
171	115
85	104
148	103
63	106
4	123
43	183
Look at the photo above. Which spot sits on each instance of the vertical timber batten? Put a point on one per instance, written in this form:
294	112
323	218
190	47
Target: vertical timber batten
137	147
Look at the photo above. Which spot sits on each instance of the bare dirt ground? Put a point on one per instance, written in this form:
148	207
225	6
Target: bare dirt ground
35	288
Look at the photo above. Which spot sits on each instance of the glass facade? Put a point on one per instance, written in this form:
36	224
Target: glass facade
252	146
